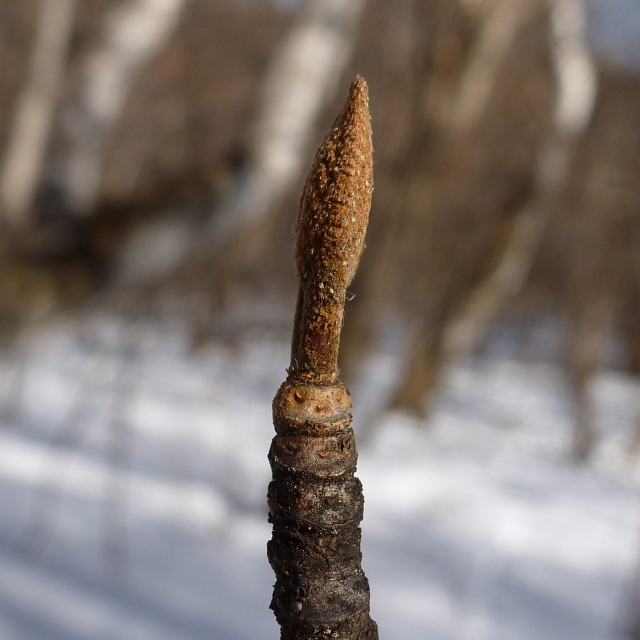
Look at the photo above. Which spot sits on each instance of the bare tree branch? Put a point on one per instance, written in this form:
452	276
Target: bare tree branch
315	501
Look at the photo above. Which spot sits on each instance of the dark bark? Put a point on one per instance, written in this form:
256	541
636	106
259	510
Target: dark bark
315	501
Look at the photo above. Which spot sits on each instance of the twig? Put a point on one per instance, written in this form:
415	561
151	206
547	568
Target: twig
315	501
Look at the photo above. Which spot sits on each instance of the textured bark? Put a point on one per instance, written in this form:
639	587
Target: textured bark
315	501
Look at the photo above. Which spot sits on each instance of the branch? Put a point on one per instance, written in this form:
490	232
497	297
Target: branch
315	501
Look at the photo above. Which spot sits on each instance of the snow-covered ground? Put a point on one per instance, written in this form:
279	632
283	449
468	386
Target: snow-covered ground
132	483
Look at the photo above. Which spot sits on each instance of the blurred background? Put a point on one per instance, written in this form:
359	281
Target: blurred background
152	153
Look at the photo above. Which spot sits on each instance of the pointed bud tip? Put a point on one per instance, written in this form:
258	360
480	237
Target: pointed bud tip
354	116
334	208
359	88
332	223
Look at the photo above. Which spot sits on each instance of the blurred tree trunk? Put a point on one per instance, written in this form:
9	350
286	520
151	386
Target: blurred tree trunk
500	23
472	313
634	630
133	35
631	337
463	314
24	155
589	327
302	78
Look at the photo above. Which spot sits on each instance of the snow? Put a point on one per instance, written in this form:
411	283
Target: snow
132	486
615	32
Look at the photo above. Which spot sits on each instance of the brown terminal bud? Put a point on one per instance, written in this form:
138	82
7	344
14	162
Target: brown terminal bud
334	212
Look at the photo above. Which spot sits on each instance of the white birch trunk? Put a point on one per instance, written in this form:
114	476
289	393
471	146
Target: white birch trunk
576	93
301	79
29	137
499	27
133	35
576	75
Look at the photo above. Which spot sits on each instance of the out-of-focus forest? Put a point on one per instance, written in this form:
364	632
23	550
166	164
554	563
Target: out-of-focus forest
152	154
157	148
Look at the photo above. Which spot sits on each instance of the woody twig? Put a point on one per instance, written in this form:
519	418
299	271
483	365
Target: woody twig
315	501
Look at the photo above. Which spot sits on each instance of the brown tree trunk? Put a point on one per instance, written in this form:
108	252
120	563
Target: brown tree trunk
465	325
587	339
